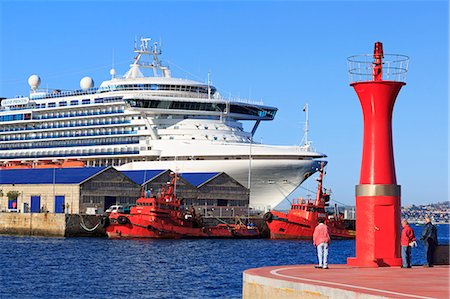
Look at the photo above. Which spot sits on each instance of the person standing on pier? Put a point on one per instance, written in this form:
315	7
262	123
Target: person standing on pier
429	236
321	239
408	240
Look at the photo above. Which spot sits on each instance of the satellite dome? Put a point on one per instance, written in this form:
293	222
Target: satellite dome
112	72
34	81
86	83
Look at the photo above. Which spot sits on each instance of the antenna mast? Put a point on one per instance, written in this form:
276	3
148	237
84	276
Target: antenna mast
306	123
145	48
306	142
209	85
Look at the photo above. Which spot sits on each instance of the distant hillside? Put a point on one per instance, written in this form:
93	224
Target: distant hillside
439	212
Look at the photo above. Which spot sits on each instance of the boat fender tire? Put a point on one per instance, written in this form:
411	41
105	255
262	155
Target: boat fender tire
123	220
150	228
104	221
268	217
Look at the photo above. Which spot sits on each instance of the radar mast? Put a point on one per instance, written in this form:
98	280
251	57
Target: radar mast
138	63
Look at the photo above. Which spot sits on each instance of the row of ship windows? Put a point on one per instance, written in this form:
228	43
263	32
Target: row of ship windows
268	113
184	88
78	133
206	127
77	102
65	103
207	137
71	154
15	117
70	143
79	113
27	116
193	138
66	124
123	87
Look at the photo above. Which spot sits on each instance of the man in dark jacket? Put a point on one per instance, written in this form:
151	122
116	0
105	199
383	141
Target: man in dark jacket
429	236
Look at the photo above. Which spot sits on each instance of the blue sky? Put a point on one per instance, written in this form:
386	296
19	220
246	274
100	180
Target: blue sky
284	53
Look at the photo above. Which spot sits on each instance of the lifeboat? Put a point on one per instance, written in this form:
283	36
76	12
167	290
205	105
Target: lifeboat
162	216
70	163
47	164
302	218
15	165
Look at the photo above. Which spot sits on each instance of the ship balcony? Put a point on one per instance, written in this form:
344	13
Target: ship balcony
65	105
46	136
35	155
70	143
19	123
76	114
64	126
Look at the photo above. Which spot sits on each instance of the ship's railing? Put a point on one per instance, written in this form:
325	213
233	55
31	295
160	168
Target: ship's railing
61	94
244	101
24	146
79	113
51	155
223	212
94	126
9	138
38	106
361	67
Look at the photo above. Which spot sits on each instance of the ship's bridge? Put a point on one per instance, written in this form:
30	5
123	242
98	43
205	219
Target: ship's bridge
200	106
167	86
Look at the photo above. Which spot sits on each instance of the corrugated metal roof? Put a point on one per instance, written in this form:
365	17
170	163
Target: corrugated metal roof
198	178
48	175
141	176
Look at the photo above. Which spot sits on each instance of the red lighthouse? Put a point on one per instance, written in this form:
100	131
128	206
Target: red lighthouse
377	80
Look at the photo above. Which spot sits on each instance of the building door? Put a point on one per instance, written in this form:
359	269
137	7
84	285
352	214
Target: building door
59	204
109	201
35	204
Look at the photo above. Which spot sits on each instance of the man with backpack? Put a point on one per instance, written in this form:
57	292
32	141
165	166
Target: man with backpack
429	236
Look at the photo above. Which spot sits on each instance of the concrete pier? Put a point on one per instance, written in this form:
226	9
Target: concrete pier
50	225
342	281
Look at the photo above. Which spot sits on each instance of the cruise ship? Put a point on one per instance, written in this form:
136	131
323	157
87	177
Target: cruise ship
137	121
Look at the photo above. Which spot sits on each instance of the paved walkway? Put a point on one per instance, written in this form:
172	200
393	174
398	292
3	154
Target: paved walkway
386	282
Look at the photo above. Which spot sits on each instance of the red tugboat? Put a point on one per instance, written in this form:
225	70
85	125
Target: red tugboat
162	217
300	221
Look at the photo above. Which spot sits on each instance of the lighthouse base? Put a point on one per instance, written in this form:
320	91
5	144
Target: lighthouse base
377	226
380	262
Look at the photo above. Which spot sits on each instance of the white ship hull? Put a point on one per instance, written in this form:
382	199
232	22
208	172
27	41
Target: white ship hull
271	180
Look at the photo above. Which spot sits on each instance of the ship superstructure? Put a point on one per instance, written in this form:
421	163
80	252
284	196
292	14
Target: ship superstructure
152	122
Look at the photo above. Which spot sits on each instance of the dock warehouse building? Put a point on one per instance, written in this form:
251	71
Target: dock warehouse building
59	190
207	192
153	180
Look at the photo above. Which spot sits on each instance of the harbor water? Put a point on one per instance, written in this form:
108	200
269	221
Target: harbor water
37	267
